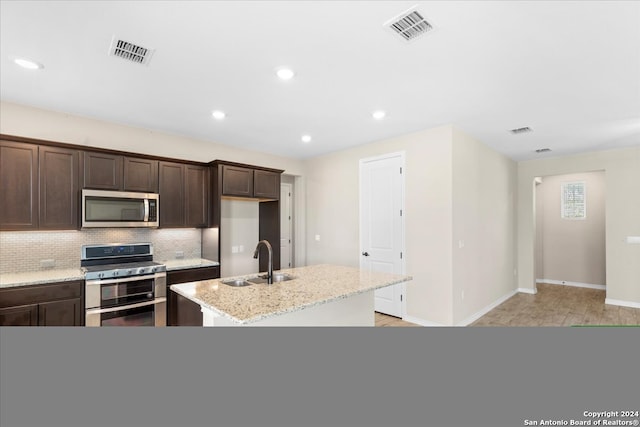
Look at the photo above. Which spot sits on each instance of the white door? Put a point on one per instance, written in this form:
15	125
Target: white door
381	225
286	229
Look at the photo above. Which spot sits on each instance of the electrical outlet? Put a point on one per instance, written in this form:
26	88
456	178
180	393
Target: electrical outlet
47	263
179	254
317	237
462	294
241	248
461	244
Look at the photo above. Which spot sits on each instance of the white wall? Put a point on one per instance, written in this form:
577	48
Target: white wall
571	250
622	180
239	228
30	122
484	223
455	189
332	213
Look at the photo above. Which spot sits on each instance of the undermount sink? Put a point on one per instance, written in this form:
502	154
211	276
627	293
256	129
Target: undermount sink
277	277
237	282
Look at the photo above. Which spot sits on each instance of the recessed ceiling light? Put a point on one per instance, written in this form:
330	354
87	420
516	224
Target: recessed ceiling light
379	115
28	64
218	115
306	138
285	73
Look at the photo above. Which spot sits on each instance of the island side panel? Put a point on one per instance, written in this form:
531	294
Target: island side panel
356	310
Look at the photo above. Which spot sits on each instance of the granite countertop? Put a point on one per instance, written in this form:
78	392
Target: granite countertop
312	285
183	264
40	277
65	275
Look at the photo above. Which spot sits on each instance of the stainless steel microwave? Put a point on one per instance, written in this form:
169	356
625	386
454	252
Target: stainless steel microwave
119	209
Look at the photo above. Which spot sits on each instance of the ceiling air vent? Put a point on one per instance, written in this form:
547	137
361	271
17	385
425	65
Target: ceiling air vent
409	25
543	150
518	131
130	51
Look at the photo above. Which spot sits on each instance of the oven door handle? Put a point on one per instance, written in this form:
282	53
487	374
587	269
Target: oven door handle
125	279
126	307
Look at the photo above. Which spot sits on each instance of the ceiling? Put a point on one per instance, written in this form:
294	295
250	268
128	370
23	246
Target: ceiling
568	70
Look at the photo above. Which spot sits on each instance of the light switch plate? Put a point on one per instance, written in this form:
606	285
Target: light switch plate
179	254
633	240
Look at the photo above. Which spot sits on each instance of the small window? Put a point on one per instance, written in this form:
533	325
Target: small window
573	200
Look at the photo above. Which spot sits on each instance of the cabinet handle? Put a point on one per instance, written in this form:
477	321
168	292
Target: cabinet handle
365	253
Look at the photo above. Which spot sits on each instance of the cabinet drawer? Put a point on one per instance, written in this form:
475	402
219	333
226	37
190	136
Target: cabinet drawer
35	294
192	275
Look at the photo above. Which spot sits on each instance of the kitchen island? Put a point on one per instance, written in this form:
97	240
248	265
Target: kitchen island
317	295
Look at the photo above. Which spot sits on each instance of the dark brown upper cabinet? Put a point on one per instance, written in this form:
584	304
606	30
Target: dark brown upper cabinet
266	185
102	171
18	186
39	187
238	181
140	175
184	195
59	189
105	171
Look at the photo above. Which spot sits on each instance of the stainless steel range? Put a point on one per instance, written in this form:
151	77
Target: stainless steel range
124	287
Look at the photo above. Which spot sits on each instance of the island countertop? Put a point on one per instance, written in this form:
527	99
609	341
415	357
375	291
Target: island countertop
311	286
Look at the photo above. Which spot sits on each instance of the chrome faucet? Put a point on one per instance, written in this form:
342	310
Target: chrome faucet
270	267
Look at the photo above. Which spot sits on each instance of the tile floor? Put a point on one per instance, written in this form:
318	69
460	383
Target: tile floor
553	305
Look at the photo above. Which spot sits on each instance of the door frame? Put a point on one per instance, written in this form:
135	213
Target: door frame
291	222
403	249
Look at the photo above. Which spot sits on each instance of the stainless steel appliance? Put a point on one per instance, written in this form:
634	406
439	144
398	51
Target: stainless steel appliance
119	209
123	286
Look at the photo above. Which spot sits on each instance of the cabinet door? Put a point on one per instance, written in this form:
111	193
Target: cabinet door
266	184
24	315
60	313
196	196
58	169
237	181
171	177
140	175
102	171
18	186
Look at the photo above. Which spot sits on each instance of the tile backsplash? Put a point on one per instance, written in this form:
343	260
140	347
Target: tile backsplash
23	251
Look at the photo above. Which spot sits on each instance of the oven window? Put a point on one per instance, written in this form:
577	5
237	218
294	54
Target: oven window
139	316
126	293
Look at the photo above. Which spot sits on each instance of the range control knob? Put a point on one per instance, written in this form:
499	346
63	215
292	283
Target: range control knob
100	275
129	272
154	269
115	273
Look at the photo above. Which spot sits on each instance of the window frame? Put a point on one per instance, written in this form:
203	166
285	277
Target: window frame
563	201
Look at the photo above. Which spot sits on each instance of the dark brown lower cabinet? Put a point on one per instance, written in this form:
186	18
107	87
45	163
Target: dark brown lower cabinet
180	310
55	304
23	315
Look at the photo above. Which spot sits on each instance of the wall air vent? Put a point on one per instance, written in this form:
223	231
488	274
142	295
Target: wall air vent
543	150
409	25
518	131
130	51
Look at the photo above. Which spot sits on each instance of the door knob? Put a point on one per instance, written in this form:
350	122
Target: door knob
365	253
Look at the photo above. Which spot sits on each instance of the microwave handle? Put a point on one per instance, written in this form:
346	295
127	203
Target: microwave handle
146	210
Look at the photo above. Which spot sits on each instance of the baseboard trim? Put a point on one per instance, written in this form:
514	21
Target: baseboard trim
469	320
527	291
575	284
421	322
622	303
